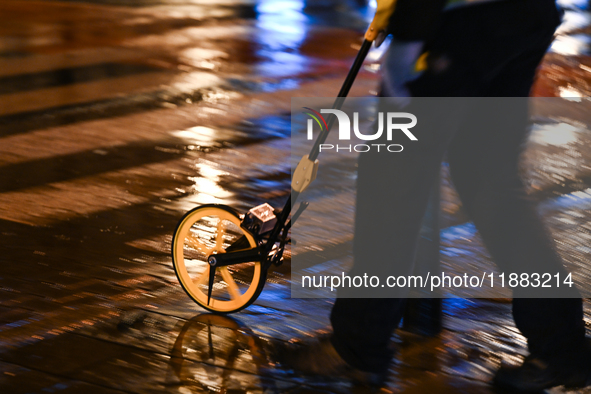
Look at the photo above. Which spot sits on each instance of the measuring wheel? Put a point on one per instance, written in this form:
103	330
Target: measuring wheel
209	230
223	266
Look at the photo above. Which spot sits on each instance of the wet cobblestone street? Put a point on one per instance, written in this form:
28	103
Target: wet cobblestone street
117	117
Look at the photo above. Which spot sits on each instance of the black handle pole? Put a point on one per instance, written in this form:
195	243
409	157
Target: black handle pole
365	47
282	219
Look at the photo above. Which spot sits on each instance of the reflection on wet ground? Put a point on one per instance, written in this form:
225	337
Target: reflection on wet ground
117	117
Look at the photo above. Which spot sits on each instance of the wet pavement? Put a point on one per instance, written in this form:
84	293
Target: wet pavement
117	117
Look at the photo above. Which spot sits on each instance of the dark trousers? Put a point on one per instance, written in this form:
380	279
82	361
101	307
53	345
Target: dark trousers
487	50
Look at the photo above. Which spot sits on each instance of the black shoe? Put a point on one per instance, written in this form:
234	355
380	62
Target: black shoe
318	358
536	375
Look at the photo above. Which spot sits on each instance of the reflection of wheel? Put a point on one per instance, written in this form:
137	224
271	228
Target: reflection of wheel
220	345
211	229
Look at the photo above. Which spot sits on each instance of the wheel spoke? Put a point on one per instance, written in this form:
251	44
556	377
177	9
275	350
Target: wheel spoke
232	286
200	246
203	277
219	241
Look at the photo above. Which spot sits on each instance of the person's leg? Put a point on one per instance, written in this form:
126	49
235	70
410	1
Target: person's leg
484	165
484	160
392	195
